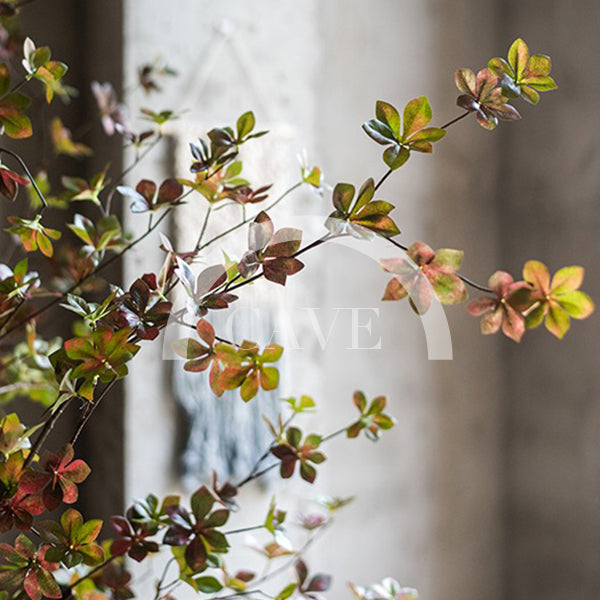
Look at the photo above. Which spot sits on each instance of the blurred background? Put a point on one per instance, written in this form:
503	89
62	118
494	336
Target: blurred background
489	488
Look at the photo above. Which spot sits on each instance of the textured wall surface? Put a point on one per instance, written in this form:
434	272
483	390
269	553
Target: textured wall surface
489	487
429	502
552	440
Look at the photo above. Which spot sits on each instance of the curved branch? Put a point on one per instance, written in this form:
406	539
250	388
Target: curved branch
29	175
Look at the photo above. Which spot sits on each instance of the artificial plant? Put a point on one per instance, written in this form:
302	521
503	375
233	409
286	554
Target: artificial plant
68	555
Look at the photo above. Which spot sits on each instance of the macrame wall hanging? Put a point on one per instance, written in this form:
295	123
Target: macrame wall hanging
225	434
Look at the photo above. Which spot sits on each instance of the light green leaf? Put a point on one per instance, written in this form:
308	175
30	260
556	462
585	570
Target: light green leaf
417	114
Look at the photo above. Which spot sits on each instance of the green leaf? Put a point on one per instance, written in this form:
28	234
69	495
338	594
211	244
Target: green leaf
287	591
448	288
541	84
465	81
365	195
269	378
308	472
342	196
535	317
567	279
499	66
379	132
578	304
388	115
417	114
530	95
245	124
208	585
201	502
47	584
249	387
429	134
536	273
12	117
189	348
313	440
360	401
88	532
518	56
377	405
395	156
557	320
449	258
539	66
45	245
294	436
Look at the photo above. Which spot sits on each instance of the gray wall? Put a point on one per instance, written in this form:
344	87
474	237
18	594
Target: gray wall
549	203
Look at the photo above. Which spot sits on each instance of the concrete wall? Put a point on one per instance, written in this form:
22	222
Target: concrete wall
550	203
429	495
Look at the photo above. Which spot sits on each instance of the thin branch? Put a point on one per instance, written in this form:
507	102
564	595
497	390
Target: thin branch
90	411
203	230
335	434
382	180
224	340
87	576
12	315
138	159
29	175
243	529
315	244
160	583
248	219
258	474
281	569
16	87
48	427
473	284
455	120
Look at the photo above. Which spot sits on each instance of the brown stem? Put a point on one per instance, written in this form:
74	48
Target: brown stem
48	427
382	180
87	576
29	175
455	120
12	315
248	219
90	411
473	284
